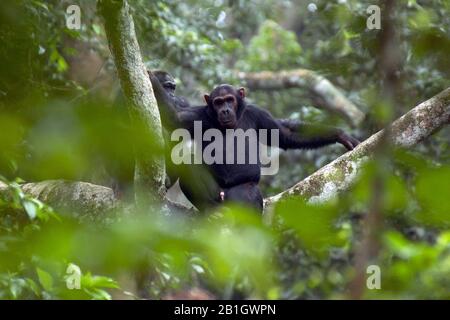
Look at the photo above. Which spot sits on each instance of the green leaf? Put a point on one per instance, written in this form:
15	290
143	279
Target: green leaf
56	57
41	5
45	279
313	224
33	286
98	294
16	287
96	28
90	281
30	207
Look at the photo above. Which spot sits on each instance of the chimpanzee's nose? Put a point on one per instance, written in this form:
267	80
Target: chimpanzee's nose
225	112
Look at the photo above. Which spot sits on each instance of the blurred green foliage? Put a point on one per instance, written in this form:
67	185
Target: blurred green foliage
273	48
58	121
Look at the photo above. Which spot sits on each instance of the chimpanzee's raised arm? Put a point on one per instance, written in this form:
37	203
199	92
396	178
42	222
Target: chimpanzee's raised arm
166	105
172	114
294	134
316	136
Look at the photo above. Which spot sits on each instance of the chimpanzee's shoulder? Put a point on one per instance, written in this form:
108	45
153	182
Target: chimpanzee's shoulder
254	109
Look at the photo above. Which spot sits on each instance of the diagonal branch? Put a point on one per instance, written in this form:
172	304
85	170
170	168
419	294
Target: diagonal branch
406	131
330	97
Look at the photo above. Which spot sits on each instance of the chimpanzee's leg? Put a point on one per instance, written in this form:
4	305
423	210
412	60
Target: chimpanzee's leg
247	194
199	186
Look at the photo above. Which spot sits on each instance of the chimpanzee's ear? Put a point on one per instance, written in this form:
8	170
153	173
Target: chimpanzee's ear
207	99
241	92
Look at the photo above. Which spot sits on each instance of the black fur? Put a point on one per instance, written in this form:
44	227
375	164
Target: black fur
232	179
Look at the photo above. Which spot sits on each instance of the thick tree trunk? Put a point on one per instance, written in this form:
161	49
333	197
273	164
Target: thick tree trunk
405	132
322	185
329	96
138	91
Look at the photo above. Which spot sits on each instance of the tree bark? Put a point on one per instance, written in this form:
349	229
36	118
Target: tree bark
331	98
81	200
405	132
138	91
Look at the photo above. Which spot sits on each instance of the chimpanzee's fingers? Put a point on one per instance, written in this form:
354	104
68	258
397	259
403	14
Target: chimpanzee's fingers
347	144
355	141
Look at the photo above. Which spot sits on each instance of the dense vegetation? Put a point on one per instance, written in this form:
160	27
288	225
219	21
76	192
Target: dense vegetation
57	88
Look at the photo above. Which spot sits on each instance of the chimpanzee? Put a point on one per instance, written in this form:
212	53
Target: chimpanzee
168	83
197	184
226	108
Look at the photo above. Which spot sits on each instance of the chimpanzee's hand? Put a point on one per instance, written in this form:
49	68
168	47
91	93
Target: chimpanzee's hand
347	141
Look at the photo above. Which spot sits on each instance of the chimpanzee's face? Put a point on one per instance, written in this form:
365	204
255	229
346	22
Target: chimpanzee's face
224	100
226	107
169	85
167	82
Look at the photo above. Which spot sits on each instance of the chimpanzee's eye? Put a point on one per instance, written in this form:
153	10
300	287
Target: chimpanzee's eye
170	86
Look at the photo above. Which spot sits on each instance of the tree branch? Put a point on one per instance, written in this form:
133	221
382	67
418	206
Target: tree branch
331	97
82	200
405	132
138	91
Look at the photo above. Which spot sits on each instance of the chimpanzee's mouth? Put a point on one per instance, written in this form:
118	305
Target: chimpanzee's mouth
228	122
